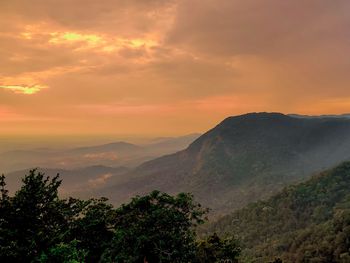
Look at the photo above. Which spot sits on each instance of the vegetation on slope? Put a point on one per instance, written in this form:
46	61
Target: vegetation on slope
308	222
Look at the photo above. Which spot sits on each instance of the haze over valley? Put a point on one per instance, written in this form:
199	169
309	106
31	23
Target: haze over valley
243	159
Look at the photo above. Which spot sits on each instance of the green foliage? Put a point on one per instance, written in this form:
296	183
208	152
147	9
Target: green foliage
30	220
308	222
156	228
35	223
93	228
215	249
37	226
64	253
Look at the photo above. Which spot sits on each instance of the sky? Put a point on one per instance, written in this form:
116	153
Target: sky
167	67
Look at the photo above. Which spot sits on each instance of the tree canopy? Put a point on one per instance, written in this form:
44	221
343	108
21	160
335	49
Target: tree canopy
36	225
307	222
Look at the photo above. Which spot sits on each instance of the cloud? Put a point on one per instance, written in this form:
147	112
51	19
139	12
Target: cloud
119	65
23	89
233	27
126	17
99	43
100	180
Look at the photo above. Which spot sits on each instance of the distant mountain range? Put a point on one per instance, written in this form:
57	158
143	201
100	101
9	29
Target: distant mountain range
243	159
113	154
86	169
308	222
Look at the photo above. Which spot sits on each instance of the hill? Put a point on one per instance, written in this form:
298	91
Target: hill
243	159
308	222
114	154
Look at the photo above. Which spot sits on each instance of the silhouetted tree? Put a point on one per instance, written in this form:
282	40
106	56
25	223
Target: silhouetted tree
156	228
31	219
37	226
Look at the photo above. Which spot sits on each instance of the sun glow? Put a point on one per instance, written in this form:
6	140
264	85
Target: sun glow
99	42
27	90
66	37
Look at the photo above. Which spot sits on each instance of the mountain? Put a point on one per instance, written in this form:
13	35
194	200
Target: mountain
346	115
308	222
122	147
112	154
243	159
168	145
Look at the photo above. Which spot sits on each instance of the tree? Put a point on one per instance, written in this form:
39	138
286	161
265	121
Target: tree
37	226
215	249
5	231
31	218
34	220
94	228
156	228
64	253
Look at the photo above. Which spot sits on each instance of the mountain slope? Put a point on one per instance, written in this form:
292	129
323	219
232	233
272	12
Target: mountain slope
243	159
308	222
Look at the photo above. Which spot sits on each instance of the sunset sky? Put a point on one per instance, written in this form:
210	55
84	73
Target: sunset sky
167	67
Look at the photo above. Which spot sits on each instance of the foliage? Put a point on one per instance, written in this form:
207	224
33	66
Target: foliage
94	227
157	228
308	222
215	249
64	253
32	219
37	226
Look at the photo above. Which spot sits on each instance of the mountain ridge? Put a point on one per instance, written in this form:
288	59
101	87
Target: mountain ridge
243	158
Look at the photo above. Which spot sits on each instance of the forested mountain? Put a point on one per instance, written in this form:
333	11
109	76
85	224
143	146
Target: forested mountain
308	222
243	159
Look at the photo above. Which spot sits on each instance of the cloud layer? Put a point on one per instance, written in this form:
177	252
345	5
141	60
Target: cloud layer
168	66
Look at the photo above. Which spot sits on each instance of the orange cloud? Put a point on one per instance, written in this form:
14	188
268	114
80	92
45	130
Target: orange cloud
148	66
99	42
